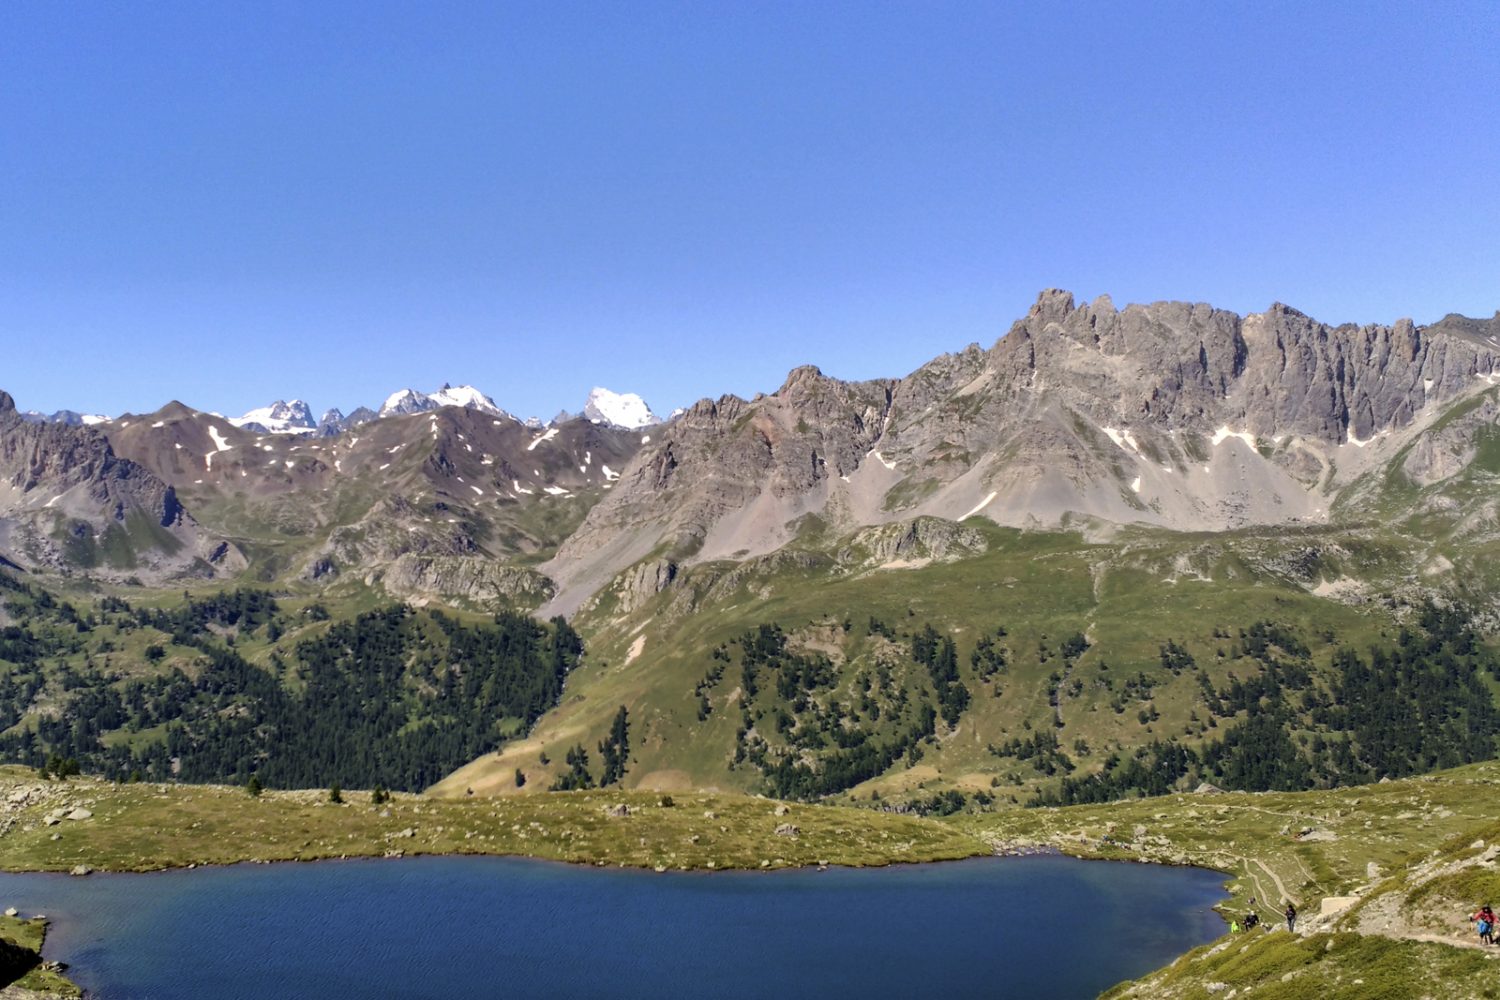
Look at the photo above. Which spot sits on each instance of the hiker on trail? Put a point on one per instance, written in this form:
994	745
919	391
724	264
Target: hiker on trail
1251	920
1291	917
1484	922
1234	927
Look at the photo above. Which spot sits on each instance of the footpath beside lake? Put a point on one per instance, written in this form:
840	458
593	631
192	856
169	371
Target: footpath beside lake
465	926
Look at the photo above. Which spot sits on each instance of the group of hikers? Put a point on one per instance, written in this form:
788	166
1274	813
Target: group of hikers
1252	919
1484	922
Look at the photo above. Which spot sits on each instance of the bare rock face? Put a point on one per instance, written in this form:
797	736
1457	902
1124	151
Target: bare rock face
1445	451
728	477
1173	414
1279	372
644	581
68	501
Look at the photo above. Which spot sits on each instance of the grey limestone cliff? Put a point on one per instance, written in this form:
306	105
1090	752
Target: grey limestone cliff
1173	414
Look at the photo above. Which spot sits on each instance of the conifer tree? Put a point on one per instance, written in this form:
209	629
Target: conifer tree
614	749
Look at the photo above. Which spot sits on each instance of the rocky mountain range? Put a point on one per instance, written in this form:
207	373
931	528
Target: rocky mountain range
1172	416
624	410
70	417
1110	528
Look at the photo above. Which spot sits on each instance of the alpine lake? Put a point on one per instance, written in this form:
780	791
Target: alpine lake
443	927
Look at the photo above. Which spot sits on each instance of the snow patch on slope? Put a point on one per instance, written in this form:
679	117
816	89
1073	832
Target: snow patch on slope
1224	433
548	436
981	505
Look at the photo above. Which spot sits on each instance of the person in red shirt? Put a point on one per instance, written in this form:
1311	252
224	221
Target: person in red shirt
1484	922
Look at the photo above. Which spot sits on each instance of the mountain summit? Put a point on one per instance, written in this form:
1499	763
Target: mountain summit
280	417
626	410
412	401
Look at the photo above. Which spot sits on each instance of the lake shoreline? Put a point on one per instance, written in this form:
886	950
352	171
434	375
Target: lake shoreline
89	825
122	915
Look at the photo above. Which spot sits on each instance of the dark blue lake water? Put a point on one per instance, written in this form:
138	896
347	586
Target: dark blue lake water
504	927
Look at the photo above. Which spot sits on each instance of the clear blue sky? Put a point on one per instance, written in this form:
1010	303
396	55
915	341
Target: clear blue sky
228	203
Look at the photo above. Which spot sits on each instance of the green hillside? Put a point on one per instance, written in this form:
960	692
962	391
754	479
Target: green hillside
1046	667
979	669
237	684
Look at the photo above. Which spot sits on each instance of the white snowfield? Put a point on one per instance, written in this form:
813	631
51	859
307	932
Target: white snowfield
621	409
412	401
281	417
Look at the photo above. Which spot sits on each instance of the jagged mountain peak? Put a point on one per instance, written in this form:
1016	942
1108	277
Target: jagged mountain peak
403	401
626	410
1052	303
799	375
281	417
406	401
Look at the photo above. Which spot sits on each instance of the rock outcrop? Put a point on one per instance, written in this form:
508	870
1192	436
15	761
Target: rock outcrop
466	578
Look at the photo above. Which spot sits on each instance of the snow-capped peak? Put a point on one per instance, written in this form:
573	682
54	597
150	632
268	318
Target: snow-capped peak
412	401
405	401
465	395
281	417
619	409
